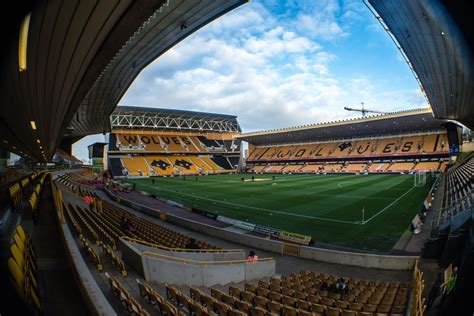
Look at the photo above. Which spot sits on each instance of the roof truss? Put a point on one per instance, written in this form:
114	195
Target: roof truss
203	124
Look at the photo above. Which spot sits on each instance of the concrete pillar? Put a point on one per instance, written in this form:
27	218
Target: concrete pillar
4	155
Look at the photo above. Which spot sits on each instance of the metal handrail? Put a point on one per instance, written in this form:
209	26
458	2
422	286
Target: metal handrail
154	254
179	249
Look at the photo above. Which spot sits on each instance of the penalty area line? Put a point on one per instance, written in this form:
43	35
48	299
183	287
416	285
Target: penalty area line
388	206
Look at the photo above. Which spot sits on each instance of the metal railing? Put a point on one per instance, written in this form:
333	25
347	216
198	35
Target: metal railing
183	260
149	244
448	212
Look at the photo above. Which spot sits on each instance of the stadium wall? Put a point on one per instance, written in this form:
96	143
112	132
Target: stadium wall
132	256
192	268
373	261
176	272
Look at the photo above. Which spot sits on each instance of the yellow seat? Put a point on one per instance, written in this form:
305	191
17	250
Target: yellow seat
197	309
19	242
222	308
332	311
33	298
274	307
217	294
289	311
16	272
370	308
236	313
318	308
229	300
249	287
18	256
195	294
260	301
21	232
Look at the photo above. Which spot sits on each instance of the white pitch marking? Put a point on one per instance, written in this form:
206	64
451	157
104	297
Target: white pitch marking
259	208
388	206
292	214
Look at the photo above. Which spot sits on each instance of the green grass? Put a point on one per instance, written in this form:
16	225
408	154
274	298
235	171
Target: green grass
327	207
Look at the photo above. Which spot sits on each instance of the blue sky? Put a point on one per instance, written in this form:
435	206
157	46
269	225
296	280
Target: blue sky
278	64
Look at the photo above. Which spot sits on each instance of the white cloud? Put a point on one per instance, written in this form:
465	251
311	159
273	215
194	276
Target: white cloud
322	19
271	65
271	77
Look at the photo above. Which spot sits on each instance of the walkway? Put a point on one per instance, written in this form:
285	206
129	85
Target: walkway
58	290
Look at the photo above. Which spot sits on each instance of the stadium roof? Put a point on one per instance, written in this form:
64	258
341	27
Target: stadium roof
421	120
133	117
160	32
437	37
80	58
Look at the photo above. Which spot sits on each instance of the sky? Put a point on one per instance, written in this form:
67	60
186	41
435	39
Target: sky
279	64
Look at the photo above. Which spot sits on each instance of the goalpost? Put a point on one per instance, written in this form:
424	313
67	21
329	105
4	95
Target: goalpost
420	179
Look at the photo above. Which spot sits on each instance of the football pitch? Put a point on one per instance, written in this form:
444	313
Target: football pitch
368	212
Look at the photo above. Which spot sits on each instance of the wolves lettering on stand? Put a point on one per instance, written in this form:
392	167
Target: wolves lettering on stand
273	152
344	145
168	140
316	152
300	152
362	150
280	153
292	152
130	139
148	139
183	163
160	164
407	146
133	139
313	150
186	140
388	148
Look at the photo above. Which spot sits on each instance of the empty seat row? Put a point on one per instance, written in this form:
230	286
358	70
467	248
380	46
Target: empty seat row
146	230
157	300
20	189
458	184
261	300
22	267
112	256
127	300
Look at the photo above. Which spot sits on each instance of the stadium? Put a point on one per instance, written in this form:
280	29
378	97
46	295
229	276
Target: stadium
182	212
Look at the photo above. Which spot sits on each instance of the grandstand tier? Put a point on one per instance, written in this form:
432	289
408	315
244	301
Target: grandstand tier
410	141
194	143
421	146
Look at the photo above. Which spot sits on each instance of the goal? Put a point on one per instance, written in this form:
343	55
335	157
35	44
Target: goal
420	179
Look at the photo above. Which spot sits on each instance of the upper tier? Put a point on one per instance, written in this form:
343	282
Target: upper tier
419	145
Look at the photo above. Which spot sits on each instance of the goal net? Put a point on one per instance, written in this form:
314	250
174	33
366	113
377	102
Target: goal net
420	179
